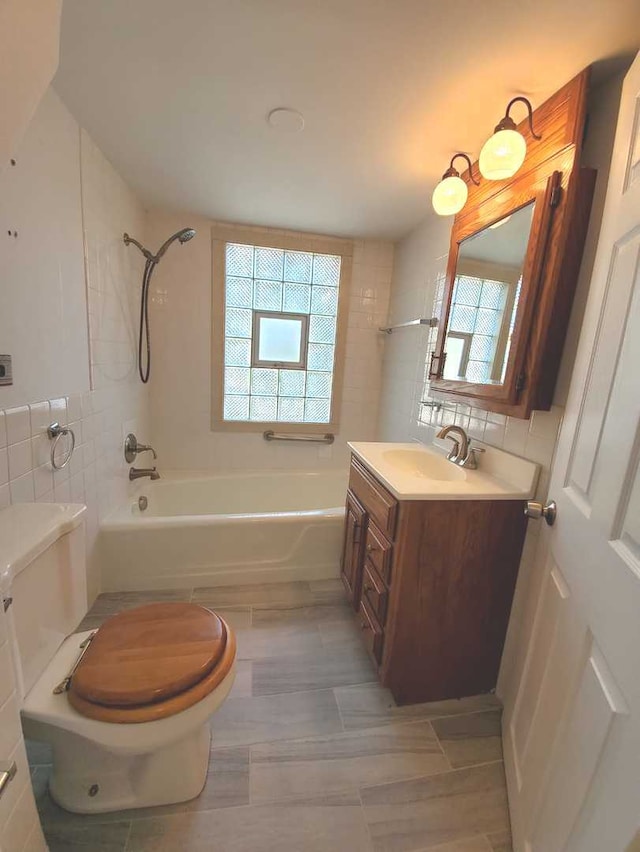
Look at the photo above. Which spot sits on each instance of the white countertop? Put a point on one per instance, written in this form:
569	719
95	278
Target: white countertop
27	529
500	475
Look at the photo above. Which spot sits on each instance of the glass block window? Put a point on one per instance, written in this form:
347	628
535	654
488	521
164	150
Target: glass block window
280	327
478	306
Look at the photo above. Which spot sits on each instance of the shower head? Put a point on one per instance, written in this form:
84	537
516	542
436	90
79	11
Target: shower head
182	236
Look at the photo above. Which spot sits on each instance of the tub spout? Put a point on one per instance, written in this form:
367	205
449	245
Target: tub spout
139	472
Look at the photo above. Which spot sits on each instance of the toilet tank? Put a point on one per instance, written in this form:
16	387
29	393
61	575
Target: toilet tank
42	580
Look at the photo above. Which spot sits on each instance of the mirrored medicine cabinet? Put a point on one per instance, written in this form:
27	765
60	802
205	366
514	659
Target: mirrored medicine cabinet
513	263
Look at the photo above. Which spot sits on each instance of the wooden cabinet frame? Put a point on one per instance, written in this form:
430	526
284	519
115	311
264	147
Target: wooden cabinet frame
562	191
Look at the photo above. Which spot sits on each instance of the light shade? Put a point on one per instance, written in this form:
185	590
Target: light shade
502	155
449	196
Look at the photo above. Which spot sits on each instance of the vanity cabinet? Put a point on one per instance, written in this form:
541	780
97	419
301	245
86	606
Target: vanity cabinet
431	582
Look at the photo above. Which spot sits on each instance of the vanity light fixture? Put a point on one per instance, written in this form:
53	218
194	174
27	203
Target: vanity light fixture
450	195
504	152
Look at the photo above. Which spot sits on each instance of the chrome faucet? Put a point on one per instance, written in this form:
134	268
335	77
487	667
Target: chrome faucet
132	448
139	472
461	453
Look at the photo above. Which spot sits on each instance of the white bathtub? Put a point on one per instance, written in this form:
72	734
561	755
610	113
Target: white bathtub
203	530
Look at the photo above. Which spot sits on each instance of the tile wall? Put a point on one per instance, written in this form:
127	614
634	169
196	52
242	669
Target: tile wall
87	280
181	369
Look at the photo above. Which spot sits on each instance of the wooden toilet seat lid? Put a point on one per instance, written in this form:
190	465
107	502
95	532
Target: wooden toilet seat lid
149	654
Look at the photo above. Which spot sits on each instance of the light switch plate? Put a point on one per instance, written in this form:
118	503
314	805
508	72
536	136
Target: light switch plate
6	375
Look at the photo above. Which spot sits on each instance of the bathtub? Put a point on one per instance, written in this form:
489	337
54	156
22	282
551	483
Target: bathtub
211	530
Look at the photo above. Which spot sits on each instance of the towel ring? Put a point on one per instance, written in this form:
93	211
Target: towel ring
55	431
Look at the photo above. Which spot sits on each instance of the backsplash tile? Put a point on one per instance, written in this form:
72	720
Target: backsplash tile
417	290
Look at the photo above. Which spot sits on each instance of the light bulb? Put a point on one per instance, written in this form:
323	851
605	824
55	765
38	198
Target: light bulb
449	196
502	155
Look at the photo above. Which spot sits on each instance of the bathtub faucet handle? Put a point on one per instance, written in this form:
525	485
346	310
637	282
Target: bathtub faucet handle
132	448
143	448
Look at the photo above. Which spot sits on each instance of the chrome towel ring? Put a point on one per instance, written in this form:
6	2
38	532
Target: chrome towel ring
55	431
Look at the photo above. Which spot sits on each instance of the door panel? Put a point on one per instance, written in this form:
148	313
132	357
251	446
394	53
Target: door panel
353	549
589	719
605	364
572	713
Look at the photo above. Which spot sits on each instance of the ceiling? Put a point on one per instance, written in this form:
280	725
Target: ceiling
176	94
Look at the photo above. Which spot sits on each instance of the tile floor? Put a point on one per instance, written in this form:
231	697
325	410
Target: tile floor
309	753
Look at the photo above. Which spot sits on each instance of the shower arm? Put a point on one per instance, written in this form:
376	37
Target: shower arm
128	240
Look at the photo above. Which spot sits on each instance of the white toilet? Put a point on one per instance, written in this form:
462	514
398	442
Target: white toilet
102	765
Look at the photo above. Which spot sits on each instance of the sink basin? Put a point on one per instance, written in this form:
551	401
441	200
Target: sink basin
417	472
424	464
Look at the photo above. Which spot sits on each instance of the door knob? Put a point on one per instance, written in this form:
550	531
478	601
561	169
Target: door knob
548	511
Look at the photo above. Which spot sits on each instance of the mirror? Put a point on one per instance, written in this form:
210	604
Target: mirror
485	298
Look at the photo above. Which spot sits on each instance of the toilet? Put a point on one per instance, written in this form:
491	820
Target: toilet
127	708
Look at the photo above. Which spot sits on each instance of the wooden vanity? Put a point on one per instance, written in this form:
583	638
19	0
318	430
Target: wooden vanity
431	581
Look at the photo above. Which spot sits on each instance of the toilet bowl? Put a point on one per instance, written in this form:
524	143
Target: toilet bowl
132	728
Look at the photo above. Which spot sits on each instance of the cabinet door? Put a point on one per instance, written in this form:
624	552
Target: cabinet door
353	549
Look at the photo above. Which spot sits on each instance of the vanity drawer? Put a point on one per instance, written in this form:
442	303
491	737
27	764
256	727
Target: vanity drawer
371	631
380	505
374	592
378	550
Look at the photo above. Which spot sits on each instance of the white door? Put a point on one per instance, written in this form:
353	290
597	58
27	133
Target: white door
572	723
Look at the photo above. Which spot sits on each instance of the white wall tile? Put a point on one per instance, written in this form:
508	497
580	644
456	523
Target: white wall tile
21	489
180	374
42	481
40	414
74	407
19	459
18	424
4	466
110	292
43	321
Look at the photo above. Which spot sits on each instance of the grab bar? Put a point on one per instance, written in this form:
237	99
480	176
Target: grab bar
270	435
432	322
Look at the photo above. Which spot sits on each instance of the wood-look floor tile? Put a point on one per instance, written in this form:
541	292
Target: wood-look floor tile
243	721
296	592
277	641
238	618
337	665
345	631
323	825
344	761
87	837
112	602
472	738
242	685
425	812
302	615
328	590
370	705
500	842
